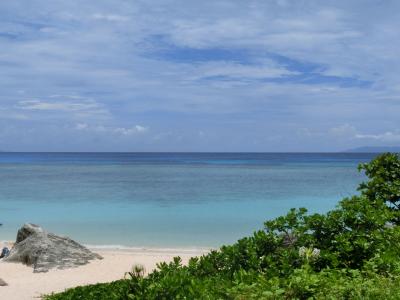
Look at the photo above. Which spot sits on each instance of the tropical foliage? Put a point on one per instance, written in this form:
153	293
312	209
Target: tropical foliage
351	252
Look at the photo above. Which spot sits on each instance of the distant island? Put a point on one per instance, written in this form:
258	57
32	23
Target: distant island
372	149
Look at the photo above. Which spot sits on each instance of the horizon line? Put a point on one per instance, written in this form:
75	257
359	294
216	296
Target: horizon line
204	152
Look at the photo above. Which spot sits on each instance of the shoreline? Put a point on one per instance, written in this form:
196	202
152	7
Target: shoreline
135	249
166	250
23	284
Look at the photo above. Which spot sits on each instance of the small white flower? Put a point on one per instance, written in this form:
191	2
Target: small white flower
302	251
309	254
315	253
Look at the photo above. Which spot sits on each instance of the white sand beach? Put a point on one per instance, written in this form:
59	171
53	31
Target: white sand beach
24	284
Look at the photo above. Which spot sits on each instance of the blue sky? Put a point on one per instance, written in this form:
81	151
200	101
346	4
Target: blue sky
199	75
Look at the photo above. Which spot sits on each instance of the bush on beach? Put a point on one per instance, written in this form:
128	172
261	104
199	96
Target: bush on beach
351	252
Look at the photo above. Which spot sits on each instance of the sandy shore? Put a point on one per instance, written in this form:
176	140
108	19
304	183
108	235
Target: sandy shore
24	284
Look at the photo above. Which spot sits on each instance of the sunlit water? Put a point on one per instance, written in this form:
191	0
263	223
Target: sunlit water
167	200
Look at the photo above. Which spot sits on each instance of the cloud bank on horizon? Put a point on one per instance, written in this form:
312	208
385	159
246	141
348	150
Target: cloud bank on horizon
199	75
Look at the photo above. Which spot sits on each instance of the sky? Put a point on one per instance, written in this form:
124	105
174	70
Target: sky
263	76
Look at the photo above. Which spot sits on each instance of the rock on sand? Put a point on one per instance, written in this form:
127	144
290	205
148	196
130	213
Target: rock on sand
44	251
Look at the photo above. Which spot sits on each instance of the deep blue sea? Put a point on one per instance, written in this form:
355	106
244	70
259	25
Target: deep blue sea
167	199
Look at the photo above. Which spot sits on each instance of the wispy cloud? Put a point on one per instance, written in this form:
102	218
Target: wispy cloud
110	17
344	130
226	70
388	136
122	131
350	132
62	108
59	106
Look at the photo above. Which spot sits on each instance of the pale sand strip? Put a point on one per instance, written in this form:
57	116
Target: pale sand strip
24	284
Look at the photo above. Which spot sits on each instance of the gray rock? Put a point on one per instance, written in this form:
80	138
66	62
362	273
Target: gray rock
44	251
2	282
27	230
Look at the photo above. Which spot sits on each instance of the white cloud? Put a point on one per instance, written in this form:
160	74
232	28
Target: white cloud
81	126
110	17
130	131
261	70
344	130
122	131
350	132
63	107
388	136
59	105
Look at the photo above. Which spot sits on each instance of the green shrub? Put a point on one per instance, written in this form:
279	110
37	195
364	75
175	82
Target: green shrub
103	291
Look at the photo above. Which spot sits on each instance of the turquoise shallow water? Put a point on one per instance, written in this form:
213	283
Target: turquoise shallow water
167	199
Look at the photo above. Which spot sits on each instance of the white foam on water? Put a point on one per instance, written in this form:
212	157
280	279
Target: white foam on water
188	250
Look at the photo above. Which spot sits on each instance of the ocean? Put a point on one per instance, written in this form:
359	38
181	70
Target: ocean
167	200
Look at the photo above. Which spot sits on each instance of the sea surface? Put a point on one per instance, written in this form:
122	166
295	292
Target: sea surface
168	200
